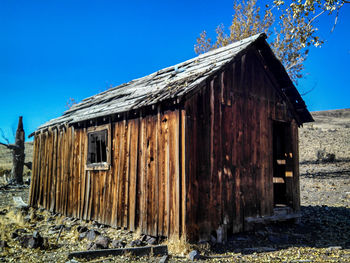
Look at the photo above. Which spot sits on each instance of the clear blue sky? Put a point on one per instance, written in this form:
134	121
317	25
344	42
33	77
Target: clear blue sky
51	51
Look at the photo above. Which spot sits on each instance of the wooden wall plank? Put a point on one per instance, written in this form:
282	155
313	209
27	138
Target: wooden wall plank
33	182
183	187
134	142
127	176
53	172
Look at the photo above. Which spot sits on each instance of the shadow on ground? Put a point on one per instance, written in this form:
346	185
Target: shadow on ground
320	227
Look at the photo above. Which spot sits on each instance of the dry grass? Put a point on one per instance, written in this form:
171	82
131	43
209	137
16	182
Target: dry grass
178	246
6	155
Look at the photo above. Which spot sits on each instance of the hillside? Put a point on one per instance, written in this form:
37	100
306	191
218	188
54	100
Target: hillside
329	133
6	155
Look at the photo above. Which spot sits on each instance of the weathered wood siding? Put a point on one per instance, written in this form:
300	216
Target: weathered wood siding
229	134
200	169
142	188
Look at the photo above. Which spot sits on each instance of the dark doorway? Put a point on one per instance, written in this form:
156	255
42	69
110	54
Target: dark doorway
281	150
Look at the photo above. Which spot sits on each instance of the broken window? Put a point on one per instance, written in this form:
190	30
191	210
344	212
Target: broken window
97	152
98	148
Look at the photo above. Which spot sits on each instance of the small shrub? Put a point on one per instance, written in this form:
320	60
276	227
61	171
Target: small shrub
324	157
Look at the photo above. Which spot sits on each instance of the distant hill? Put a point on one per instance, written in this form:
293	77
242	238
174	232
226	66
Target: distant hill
6	155
330	132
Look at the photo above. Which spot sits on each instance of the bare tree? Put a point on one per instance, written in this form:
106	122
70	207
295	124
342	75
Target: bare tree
17	153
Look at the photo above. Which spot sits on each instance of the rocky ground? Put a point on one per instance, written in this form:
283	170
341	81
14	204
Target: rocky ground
323	235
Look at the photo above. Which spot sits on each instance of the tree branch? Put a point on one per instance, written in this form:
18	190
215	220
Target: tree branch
311	20
10	146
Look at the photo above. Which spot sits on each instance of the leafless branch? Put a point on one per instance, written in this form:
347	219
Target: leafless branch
9	146
4	137
335	20
313	19
308	91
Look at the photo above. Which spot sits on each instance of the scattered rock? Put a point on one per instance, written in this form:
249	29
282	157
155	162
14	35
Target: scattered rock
164	259
151	240
136	243
91	246
102	242
57	227
3	212
329	249
82	229
15	234
18	203
3	244
82	236
194	255
118	244
92	234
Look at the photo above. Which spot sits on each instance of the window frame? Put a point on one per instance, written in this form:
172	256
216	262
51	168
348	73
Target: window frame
101	165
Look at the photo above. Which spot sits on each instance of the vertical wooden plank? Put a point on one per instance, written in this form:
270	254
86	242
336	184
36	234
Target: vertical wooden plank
151	202
34	173
64	170
58	174
116	158
127	174
156	177
163	134
76	172
102	189
143	176
54	172
228	142
87	203
42	170
140	175
296	180
215	153
106	191
83	154
45	171
49	173
134	127
192	185
183	150
163	174
79	172
41	154
121	174
237	149
174	174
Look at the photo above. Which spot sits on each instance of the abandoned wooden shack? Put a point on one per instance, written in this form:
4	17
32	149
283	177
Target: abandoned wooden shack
202	148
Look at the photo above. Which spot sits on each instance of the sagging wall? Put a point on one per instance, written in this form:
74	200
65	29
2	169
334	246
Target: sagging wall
142	189
229	132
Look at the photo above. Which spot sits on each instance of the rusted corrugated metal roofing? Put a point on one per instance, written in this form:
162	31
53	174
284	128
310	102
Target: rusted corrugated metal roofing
168	83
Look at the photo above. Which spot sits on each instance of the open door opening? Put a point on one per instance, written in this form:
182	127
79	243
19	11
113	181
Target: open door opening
282	157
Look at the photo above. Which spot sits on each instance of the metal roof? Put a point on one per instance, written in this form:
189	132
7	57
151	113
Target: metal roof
169	83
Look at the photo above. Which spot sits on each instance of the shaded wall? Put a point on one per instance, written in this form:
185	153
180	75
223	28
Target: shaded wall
229	131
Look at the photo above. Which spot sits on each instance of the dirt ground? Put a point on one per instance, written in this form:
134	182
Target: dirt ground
322	235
